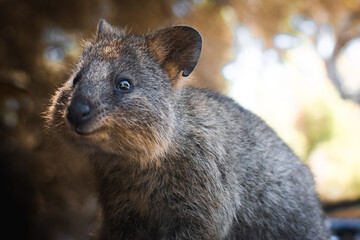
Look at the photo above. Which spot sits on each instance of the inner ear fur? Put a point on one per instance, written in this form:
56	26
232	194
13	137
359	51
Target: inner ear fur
177	49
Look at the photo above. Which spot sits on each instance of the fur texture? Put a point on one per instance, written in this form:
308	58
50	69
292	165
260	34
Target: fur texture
176	162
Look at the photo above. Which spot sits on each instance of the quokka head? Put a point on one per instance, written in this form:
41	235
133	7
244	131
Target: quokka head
120	98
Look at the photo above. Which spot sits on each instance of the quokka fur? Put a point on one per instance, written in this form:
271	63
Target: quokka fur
175	162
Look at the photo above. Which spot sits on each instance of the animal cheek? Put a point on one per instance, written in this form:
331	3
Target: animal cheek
64	96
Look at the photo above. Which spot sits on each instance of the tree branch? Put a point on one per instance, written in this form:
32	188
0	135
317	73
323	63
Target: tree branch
344	37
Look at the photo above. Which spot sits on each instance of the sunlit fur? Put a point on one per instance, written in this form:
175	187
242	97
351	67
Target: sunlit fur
173	162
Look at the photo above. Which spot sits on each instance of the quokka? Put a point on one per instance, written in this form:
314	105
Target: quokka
176	162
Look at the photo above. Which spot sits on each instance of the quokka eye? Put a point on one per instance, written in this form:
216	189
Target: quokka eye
124	85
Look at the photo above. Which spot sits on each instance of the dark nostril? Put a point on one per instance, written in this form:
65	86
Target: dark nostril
78	113
85	112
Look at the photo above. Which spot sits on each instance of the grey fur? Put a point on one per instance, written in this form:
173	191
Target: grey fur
175	162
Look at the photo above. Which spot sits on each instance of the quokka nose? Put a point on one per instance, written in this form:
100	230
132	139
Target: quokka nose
78	113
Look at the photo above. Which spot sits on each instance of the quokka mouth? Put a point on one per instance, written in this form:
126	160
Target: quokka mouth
85	130
81	131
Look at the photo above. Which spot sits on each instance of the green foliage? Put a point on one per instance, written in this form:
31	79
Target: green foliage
317	126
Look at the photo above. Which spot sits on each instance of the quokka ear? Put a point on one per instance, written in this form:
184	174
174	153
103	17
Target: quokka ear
105	29
177	49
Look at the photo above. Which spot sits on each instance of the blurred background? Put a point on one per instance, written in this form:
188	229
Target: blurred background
294	63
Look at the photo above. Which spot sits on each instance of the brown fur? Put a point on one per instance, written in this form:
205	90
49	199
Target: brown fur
173	162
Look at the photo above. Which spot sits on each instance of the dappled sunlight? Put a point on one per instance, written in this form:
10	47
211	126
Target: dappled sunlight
294	96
